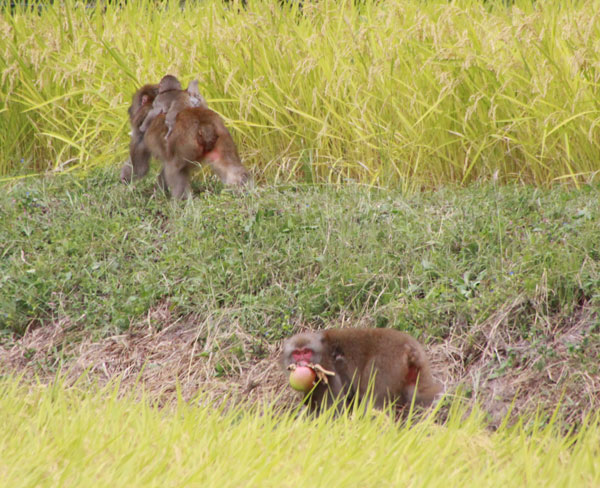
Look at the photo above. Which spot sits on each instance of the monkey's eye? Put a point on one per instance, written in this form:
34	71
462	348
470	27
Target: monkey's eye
302	355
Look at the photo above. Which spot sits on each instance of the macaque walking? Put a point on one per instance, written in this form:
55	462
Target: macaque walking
390	362
198	135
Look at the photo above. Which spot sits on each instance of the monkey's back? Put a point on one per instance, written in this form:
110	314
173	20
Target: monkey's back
370	342
366	351
165	99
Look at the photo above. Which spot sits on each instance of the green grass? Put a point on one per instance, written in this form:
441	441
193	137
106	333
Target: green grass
506	279
101	255
55	436
403	93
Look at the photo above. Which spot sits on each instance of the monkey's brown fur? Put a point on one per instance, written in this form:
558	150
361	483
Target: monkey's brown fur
199	135
169	91
139	154
171	100
394	361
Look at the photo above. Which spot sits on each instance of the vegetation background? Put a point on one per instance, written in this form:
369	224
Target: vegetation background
423	165
408	94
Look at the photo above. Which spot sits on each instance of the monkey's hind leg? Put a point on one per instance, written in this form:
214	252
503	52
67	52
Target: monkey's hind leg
177	177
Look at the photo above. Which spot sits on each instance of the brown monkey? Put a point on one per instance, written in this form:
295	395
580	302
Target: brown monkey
139	163
393	361
171	100
196	99
169	89
184	99
199	135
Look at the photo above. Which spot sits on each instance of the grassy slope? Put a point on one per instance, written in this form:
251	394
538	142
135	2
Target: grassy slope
52	437
507	276
447	259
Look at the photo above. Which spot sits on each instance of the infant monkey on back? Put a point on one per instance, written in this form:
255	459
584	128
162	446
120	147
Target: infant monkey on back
172	99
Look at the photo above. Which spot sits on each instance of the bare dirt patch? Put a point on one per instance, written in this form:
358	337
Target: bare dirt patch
217	358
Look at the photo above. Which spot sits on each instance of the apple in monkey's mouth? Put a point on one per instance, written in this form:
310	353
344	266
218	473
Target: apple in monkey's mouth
302	378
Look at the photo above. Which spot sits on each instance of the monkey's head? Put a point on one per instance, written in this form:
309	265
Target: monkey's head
168	83
303	349
145	95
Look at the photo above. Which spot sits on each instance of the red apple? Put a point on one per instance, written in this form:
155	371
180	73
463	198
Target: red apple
302	378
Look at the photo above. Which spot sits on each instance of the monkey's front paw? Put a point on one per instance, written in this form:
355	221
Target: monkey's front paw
126	172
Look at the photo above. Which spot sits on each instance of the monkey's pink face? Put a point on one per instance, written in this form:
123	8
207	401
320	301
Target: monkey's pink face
302	356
